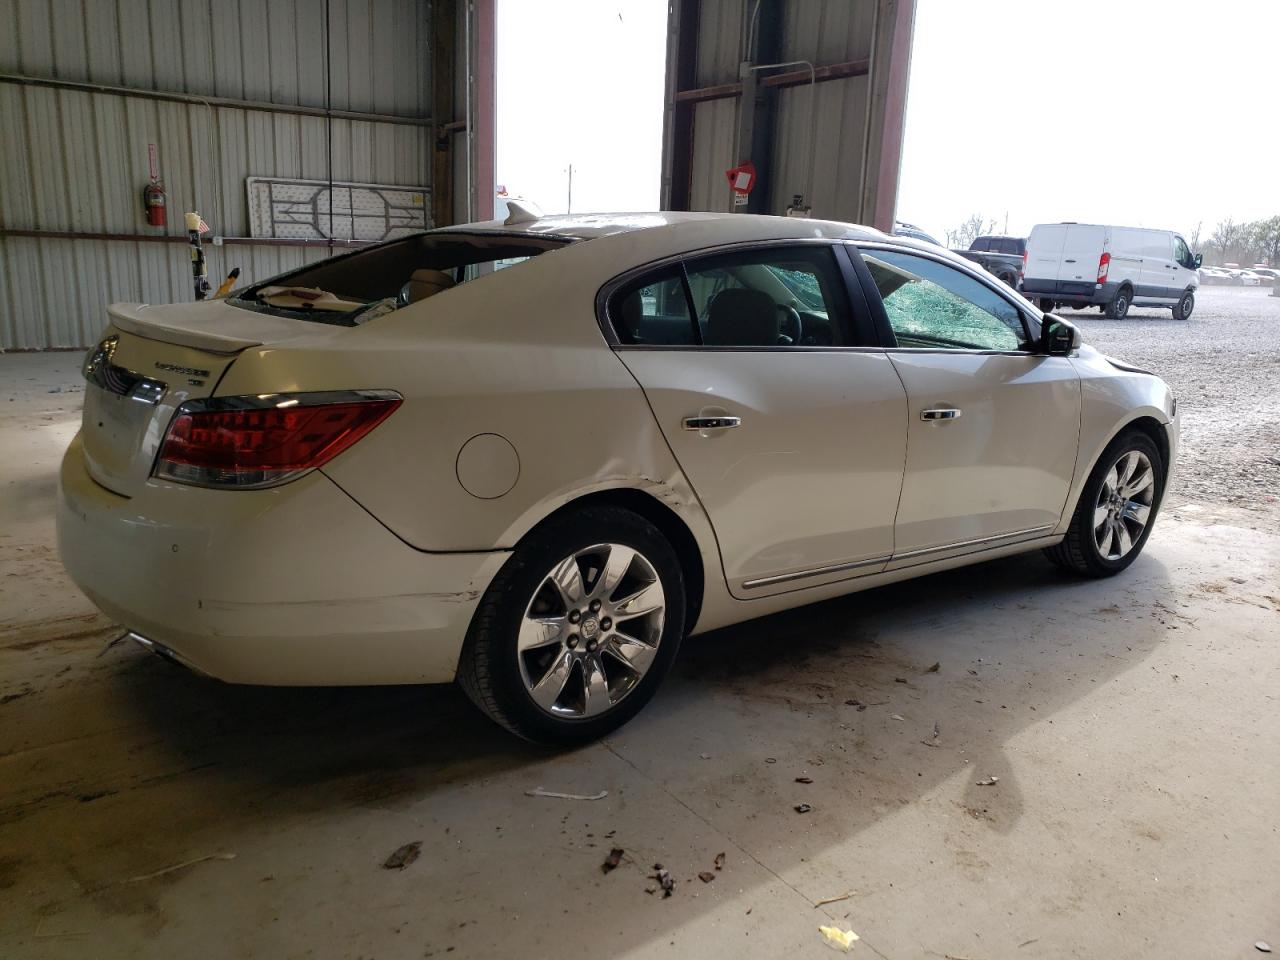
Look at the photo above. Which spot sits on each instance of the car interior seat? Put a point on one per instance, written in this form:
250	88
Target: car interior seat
425	283
742	318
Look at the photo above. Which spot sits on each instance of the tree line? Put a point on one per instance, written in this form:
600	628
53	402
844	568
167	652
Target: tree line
1256	241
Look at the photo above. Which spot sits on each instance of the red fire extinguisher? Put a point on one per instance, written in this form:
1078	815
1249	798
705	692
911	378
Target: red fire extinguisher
153	203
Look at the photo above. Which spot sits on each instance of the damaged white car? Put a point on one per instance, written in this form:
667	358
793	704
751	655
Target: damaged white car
533	455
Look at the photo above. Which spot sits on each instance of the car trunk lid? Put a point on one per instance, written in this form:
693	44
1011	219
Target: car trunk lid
151	361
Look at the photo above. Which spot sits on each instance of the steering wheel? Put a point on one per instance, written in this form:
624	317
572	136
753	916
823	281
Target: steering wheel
790	319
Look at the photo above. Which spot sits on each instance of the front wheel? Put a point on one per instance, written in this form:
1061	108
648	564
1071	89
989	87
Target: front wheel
578	628
1182	309
1116	510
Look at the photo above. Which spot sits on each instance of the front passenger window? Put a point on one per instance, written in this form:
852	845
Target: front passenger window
931	304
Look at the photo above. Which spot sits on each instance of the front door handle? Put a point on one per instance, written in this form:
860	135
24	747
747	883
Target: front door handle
940	413
710	423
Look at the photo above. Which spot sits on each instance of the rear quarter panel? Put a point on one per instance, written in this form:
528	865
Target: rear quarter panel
518	354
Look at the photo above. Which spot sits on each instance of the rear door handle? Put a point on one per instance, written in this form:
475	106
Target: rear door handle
710	423
941	413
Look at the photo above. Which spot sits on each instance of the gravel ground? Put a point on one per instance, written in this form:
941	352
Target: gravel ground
1224	367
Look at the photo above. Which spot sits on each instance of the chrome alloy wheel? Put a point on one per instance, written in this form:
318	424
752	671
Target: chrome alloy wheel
1124	505
591	630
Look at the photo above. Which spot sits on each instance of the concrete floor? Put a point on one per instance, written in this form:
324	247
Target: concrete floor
1133	726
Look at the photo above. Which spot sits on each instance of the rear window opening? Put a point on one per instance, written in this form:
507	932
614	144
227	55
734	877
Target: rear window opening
354	288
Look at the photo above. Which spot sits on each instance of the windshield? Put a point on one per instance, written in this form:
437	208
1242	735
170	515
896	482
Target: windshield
356	287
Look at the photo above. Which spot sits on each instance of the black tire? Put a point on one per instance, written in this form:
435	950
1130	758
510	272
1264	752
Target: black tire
1182	309
489	670
1078	551
1047	305
1009	280
1119	307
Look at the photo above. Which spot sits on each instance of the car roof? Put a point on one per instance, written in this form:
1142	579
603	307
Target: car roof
730	226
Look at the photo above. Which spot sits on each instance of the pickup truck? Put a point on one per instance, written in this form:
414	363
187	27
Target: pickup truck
1001	256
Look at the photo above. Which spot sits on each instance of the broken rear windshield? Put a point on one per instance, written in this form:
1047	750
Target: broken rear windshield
352	288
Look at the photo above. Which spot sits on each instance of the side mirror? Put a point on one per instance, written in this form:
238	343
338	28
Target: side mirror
1058	337
1199	260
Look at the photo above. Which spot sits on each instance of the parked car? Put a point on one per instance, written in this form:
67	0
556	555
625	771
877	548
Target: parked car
1269	275
903	229
1087	264
1003	257
1246	278
1210	276
394	466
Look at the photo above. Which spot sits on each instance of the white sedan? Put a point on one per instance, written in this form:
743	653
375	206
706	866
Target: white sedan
534	455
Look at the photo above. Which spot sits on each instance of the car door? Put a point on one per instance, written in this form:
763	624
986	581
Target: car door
992	426
788	422
1184	268
1158	268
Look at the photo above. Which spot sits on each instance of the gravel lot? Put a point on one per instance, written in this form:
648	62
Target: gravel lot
1224	367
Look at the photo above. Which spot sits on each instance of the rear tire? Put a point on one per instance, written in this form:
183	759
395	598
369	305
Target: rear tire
1109	510
543	657
1182	309
1047	305
1119	307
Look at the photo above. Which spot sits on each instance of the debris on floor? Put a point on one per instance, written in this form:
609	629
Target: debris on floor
935	668
178	866
403	856
823	903
804	779
719	861
664	878
937	732
1262	946
611	862
539	792
770	759
896	716
988	782
803	808
843	939
706	876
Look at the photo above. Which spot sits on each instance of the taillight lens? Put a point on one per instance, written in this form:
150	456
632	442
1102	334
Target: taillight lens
1104	265
253	442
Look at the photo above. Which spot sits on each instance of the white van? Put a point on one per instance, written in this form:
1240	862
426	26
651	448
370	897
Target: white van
1089	264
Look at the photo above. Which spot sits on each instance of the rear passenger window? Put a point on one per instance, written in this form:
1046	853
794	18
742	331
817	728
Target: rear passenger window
653	311
767	297
771	297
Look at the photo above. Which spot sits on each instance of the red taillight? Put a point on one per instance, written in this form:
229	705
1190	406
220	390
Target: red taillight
261	442
1104	265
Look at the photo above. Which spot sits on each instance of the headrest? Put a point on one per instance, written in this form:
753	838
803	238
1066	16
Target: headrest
424	283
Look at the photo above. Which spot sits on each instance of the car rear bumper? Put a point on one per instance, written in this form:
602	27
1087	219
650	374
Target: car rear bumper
1069	291
296	585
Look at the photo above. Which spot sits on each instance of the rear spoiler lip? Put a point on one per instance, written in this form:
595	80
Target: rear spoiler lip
127	317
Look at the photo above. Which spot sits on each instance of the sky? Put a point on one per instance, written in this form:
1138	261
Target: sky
1156	113
581	82
1160	113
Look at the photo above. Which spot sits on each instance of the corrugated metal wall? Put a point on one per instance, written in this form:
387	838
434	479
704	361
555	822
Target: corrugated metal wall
821	141
77	161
